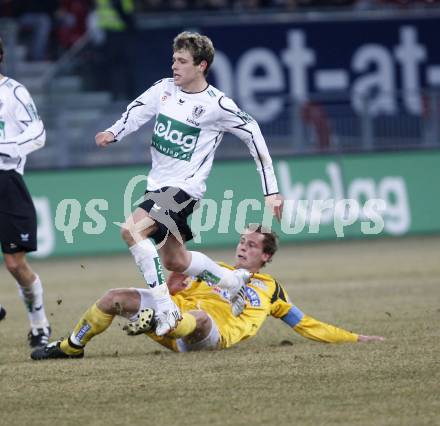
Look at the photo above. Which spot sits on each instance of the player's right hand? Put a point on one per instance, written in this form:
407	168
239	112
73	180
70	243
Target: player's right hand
102	139
275	202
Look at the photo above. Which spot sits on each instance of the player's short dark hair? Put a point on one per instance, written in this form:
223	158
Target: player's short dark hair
200	47
270	240
1	50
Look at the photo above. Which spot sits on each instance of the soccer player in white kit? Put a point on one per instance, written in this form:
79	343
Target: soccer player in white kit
191	118
21	132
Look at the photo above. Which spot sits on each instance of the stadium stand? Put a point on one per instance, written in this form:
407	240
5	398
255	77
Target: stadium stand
71	102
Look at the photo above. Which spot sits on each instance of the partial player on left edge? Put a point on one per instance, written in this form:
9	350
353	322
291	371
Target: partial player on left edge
21	133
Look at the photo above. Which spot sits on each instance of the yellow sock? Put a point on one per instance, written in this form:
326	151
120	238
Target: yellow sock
186	326
93	322
166	341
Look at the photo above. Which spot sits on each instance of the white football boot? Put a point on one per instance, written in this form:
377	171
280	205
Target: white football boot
167	314
143	323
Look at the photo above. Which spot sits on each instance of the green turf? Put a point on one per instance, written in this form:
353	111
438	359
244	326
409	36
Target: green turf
389	287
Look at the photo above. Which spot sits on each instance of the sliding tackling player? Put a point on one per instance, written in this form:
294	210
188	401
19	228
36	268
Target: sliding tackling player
207	322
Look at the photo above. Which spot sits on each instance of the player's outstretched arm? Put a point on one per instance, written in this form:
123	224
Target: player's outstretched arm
319	331
363	338
138	112
242	125
313	329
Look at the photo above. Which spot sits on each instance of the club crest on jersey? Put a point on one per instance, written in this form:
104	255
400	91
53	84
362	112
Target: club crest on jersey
259	284
198	110
174	138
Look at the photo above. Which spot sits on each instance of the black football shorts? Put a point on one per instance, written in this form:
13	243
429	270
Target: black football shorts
170	208
18	219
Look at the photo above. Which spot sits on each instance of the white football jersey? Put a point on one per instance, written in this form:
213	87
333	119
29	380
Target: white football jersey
188	129
21	129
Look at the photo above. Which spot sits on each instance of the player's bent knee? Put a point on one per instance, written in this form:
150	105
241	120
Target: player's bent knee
203	322
175	264
112	301
120	301
105	303
131	234
205	337
14	262
127	236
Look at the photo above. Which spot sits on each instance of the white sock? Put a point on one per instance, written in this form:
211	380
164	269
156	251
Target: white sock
205	268
148	261
33	299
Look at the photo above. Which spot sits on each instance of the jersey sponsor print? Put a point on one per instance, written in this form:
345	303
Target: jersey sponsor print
174	138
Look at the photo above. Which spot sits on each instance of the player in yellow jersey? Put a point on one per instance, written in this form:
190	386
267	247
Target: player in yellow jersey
207	322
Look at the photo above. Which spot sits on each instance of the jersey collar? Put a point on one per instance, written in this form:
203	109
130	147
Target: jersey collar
195	93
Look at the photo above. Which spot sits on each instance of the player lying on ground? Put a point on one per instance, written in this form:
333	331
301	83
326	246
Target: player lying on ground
207	322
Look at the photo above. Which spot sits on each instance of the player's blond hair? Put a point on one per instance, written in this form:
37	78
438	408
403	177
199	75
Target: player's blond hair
200	47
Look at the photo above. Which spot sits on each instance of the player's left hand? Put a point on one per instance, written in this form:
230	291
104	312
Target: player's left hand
275	203
102	139
363	338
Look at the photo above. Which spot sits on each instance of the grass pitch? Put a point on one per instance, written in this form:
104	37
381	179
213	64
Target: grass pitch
387	287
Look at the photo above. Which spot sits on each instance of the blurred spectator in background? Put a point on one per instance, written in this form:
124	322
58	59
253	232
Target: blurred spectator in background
285	4
49	27
36	19
215	4
6	8
76	7
404	3
71	21
316	120
116	61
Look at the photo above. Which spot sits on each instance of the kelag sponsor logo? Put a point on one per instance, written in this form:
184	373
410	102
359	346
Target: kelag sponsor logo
381	194
316	203
174	139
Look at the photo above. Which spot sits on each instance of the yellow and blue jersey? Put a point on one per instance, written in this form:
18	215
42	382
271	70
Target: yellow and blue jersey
265	297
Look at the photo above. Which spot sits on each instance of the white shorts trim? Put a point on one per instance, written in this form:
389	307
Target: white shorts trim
146	301
210	343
